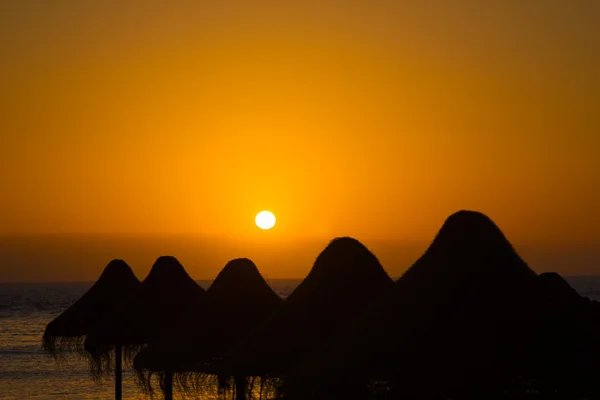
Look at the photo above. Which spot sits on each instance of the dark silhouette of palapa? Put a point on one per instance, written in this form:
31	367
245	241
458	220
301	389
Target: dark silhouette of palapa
345	278
236	302
166	292
563	361
66	332
455	325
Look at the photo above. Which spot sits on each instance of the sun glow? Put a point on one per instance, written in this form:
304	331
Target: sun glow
265	220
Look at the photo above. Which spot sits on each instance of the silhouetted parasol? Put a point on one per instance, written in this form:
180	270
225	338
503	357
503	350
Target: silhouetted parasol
563	359
345	278
152	310
456	323
67	331
236	302
557	294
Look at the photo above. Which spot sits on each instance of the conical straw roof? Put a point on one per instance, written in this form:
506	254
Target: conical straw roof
557	294
453	314
345	277
567	335
166	292
67	331
238	300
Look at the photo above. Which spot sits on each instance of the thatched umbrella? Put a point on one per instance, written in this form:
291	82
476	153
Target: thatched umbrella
67	331
564	357
236	302
345	278
152	310
456	323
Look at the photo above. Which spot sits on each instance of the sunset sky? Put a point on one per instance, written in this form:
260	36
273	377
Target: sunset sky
373	119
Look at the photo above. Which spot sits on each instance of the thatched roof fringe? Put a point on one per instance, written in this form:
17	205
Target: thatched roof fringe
103	363
58	347
196	382
67	331
192	383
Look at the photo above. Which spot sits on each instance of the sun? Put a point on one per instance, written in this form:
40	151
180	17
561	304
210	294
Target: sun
265	220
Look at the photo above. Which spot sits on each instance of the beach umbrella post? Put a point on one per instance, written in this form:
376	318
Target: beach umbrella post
118	372
168	385
240	387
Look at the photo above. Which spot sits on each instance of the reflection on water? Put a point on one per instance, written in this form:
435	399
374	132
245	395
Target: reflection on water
26	372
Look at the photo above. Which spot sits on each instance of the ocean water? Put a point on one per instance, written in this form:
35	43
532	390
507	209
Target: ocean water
26	372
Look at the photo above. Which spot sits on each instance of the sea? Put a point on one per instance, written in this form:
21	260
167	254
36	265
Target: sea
26	372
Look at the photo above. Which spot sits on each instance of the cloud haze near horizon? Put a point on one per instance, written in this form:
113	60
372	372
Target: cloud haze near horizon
64	258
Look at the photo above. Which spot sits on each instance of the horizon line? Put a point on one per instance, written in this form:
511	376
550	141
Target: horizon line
394	278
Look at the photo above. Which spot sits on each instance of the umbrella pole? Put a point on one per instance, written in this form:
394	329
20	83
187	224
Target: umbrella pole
118	373
168	385
240	388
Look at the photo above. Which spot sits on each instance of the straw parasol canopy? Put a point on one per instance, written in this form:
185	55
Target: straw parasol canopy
345	277
236	302
453	324
67	331
166	292
556	295
568	331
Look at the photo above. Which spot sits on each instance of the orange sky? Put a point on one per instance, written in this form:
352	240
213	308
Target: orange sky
370	119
